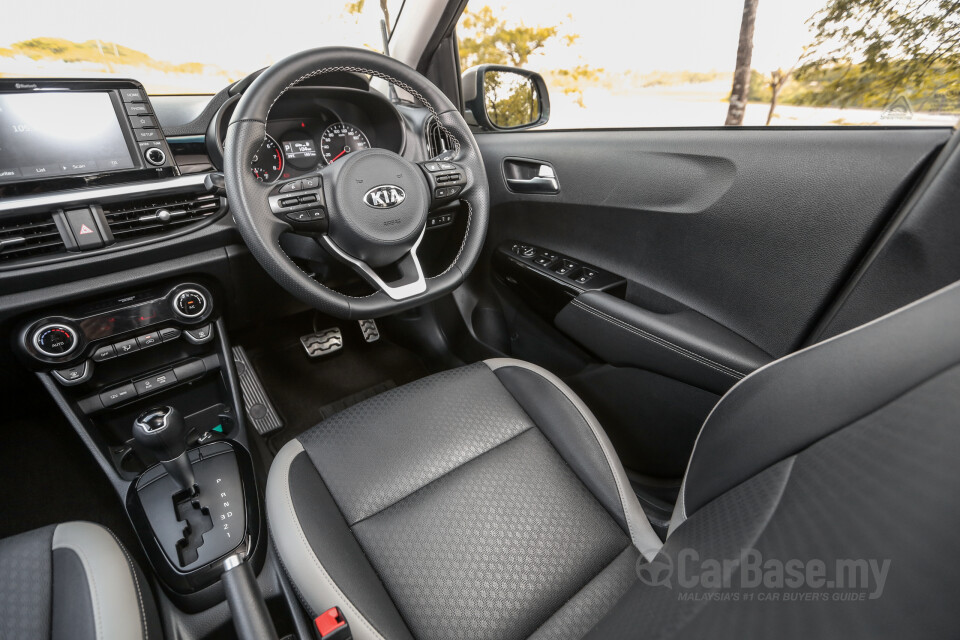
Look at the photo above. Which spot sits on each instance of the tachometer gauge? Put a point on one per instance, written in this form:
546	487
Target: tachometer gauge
267	163
339	139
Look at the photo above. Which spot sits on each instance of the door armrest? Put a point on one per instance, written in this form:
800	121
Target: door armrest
684	345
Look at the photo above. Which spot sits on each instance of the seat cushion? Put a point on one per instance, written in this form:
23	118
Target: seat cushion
482	502
72	580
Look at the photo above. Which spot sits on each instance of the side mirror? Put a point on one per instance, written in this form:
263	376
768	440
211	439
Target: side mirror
500	98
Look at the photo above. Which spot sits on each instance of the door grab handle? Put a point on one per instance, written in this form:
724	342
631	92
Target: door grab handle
544	182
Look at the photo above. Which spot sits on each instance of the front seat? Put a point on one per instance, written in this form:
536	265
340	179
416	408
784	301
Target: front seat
73	581
486	502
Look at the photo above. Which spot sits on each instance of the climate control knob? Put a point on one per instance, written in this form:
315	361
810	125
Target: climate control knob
55	340
190	303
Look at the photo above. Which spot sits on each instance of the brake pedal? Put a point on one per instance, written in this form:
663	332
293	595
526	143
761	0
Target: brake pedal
322	343
256	404
370	331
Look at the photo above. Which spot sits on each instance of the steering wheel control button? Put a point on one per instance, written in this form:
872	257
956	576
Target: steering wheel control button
190	303
148	340
201	335
106	352
289	202
55	340
126	346
155	383
117	395
313	182
310	215
168	334
74	375
446	166
293	185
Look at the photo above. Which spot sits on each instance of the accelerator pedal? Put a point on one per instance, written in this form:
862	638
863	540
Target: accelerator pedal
322	343
370	331
259	409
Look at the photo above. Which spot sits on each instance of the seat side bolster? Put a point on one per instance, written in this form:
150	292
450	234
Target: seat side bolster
115	595
638	527
314	584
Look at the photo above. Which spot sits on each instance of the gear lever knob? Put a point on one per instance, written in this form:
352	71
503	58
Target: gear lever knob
163	432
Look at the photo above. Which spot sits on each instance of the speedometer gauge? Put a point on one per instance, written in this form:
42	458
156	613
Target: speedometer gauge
267	163
341	138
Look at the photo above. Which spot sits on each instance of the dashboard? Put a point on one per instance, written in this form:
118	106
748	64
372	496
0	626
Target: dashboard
310	127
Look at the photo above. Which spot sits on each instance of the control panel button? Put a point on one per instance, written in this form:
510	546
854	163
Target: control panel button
190	303
155	382
142	122
126	346
84	228
312	182
148	340
105	352
308	215
155	156
148	134
55	340
200	335
137	109
289	202
118	395
293	185
170	333
131	95
74	375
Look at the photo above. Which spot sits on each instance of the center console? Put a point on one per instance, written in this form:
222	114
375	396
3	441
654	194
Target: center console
148	380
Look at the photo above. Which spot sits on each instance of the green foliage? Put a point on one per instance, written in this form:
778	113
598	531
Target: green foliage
510	100
868	52
492	41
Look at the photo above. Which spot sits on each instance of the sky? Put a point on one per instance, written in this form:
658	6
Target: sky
643	35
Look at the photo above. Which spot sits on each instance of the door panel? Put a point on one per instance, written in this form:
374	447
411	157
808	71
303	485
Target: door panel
731	242
753	229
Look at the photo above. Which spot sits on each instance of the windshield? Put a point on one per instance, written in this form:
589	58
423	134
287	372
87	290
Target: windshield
178	46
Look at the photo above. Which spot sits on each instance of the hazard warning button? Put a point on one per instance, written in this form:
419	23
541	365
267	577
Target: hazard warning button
84	228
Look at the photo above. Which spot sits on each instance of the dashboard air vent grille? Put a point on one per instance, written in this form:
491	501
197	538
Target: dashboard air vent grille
29	236
158	215
438	140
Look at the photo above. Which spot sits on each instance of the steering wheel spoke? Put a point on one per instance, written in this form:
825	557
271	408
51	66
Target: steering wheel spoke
300	203
447	180
411	281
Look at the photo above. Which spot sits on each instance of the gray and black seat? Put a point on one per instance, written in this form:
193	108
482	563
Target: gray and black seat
73	581
486	502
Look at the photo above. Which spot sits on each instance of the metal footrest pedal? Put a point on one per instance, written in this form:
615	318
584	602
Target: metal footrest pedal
322	343
370	331
257	406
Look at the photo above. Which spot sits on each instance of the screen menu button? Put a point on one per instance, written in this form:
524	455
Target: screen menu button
41	170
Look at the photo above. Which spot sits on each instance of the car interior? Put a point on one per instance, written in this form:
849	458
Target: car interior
336	353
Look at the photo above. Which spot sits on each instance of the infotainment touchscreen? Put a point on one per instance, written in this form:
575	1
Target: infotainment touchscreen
60	133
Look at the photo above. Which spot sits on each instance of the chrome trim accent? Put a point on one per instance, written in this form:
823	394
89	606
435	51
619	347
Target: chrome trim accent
184	292
56	325
232	562
76	196
397	293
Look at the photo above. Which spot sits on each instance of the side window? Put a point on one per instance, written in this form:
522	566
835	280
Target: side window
709	63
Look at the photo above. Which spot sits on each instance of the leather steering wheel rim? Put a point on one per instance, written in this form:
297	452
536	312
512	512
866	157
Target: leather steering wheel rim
261	228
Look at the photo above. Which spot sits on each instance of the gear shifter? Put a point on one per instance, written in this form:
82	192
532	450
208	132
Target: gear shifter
163	432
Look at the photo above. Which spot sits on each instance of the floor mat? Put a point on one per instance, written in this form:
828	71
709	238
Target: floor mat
307	390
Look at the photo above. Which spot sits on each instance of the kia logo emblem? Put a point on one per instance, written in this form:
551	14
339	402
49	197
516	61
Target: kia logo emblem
385	196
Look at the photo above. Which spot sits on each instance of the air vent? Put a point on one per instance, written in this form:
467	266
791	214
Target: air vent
438	140
29	236
155	216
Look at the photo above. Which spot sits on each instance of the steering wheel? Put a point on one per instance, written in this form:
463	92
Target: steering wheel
368	209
